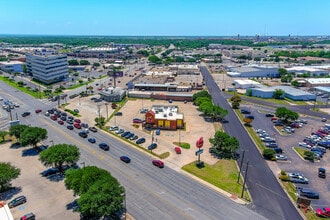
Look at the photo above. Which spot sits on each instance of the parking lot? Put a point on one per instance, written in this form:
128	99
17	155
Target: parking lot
47	198
294	162
196	127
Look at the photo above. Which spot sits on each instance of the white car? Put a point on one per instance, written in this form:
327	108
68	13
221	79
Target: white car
281	157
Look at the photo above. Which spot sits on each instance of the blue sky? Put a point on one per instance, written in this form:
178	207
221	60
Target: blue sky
165	17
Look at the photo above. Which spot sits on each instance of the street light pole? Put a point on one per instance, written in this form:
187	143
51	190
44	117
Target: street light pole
51	141
106	106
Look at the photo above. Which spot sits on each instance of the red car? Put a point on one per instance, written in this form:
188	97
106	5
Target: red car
38	111
76	125
177	150
158	163
77	121
137	120
323	212
60	122
53	117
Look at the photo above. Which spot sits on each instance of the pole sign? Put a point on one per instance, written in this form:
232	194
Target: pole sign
199	143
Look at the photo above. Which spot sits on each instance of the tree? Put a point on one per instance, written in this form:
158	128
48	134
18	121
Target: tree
84	62
249	92
16	130
295	83
100	193
32	136
73	62
201	100
2	135
104	198
235	105
268	154
224	145
155	59
7	174
203	93
282	71
236	98
59	155
100	121
96	64
278	94
286	115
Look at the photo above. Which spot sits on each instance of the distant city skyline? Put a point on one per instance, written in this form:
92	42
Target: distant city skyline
165	17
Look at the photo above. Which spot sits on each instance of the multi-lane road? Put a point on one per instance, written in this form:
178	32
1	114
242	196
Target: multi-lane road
150	192
269	199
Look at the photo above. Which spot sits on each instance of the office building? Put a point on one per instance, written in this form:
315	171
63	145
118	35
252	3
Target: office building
47	66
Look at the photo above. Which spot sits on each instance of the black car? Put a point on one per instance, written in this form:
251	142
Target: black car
49	172
63	118
17	201
93	129
104	146
28	216
26	114
152	146
83	134
125	133
129	136
126	159
84	125
321	173
118	114
70	118
245	111
69	122
269	115
70	127
140	141
309	193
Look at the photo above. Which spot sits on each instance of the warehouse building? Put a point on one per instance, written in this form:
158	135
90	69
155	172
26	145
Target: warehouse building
314	82
247	83
299	70
289	92
253	71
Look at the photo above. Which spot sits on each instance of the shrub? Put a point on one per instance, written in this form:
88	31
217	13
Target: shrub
283	172
284	178
268	154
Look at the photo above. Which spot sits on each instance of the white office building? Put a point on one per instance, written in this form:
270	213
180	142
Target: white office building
47	66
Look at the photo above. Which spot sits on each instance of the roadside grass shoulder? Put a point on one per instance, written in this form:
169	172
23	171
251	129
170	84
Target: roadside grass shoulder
222	174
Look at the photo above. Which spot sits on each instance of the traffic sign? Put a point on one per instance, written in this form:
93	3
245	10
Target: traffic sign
199	152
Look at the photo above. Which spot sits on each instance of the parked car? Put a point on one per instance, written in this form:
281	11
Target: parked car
158	163
91	140
126	159
177	150
152	146
84	125
104	146
250	117
76	110
278	150
245	111
60	122
322	172
83	134
140	141
113	128
26	114
135	137
281	157
76	125
137	120
38	111
324	120
92	129
77	120
269	115
157	131
298	178
28	216
129	135
120	131
17	201
69	122
309	193
118	114
70	127
323	212
271	144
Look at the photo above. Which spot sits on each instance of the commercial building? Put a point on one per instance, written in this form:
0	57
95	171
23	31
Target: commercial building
253	71
185	69
47	66
164	117
299	70
12	66
247	83
289	92
5	213
113	94
314	82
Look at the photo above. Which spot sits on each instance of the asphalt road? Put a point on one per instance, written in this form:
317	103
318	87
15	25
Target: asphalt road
150	192
269	199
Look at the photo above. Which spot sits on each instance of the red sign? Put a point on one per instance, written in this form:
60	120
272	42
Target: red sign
199	142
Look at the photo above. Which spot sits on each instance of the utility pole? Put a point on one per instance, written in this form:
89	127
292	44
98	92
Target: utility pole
11	117
99	110
245	176
240	167
106	107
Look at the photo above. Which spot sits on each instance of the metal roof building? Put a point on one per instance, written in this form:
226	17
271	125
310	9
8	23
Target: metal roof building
253	71
289	92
